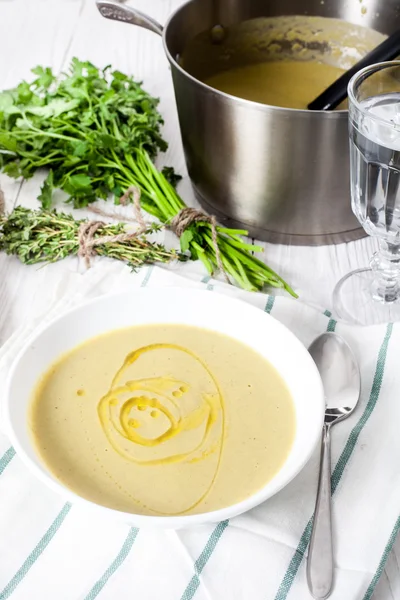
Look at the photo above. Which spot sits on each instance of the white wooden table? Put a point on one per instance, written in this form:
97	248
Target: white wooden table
51	32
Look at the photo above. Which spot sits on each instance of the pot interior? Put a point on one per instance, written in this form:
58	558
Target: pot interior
207	37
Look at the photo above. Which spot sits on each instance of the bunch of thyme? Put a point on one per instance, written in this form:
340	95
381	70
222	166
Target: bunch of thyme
36	236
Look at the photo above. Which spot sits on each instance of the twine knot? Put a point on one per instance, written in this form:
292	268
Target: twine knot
186	217
86	233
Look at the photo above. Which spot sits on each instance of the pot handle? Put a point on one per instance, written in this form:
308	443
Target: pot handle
127	14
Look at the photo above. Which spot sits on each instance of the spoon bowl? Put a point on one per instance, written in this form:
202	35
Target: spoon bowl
341	379
340	375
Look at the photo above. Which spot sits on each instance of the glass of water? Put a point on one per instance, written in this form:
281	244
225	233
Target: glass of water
372	295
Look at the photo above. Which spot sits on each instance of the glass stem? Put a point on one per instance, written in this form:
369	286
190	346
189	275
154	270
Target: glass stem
386	266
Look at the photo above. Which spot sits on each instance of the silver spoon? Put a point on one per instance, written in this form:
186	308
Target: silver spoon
342	384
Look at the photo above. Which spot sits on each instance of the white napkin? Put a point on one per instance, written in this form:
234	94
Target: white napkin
50	550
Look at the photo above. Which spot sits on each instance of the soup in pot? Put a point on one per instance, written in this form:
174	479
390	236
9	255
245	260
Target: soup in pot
279	61
288	84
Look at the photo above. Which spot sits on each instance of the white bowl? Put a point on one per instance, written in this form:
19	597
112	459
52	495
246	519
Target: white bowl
237	319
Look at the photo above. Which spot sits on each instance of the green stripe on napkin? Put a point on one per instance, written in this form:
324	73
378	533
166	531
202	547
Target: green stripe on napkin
332	323
270	304
203	560
298	556
6	458
115	565
147	276
36	552
207	279
373	399
381	566
331	326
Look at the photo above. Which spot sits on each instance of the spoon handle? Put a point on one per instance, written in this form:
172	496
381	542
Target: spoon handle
320	554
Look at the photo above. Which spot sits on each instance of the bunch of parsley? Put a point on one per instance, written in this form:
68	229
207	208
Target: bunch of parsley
98	132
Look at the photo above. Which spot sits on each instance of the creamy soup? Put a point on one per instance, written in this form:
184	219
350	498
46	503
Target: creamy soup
162	420
282	61
291	84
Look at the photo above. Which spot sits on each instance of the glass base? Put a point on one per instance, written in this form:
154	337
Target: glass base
354	300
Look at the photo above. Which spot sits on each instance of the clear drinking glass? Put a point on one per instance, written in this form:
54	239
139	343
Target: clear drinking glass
372	295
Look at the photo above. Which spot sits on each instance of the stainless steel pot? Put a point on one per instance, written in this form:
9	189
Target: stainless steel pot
282	174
